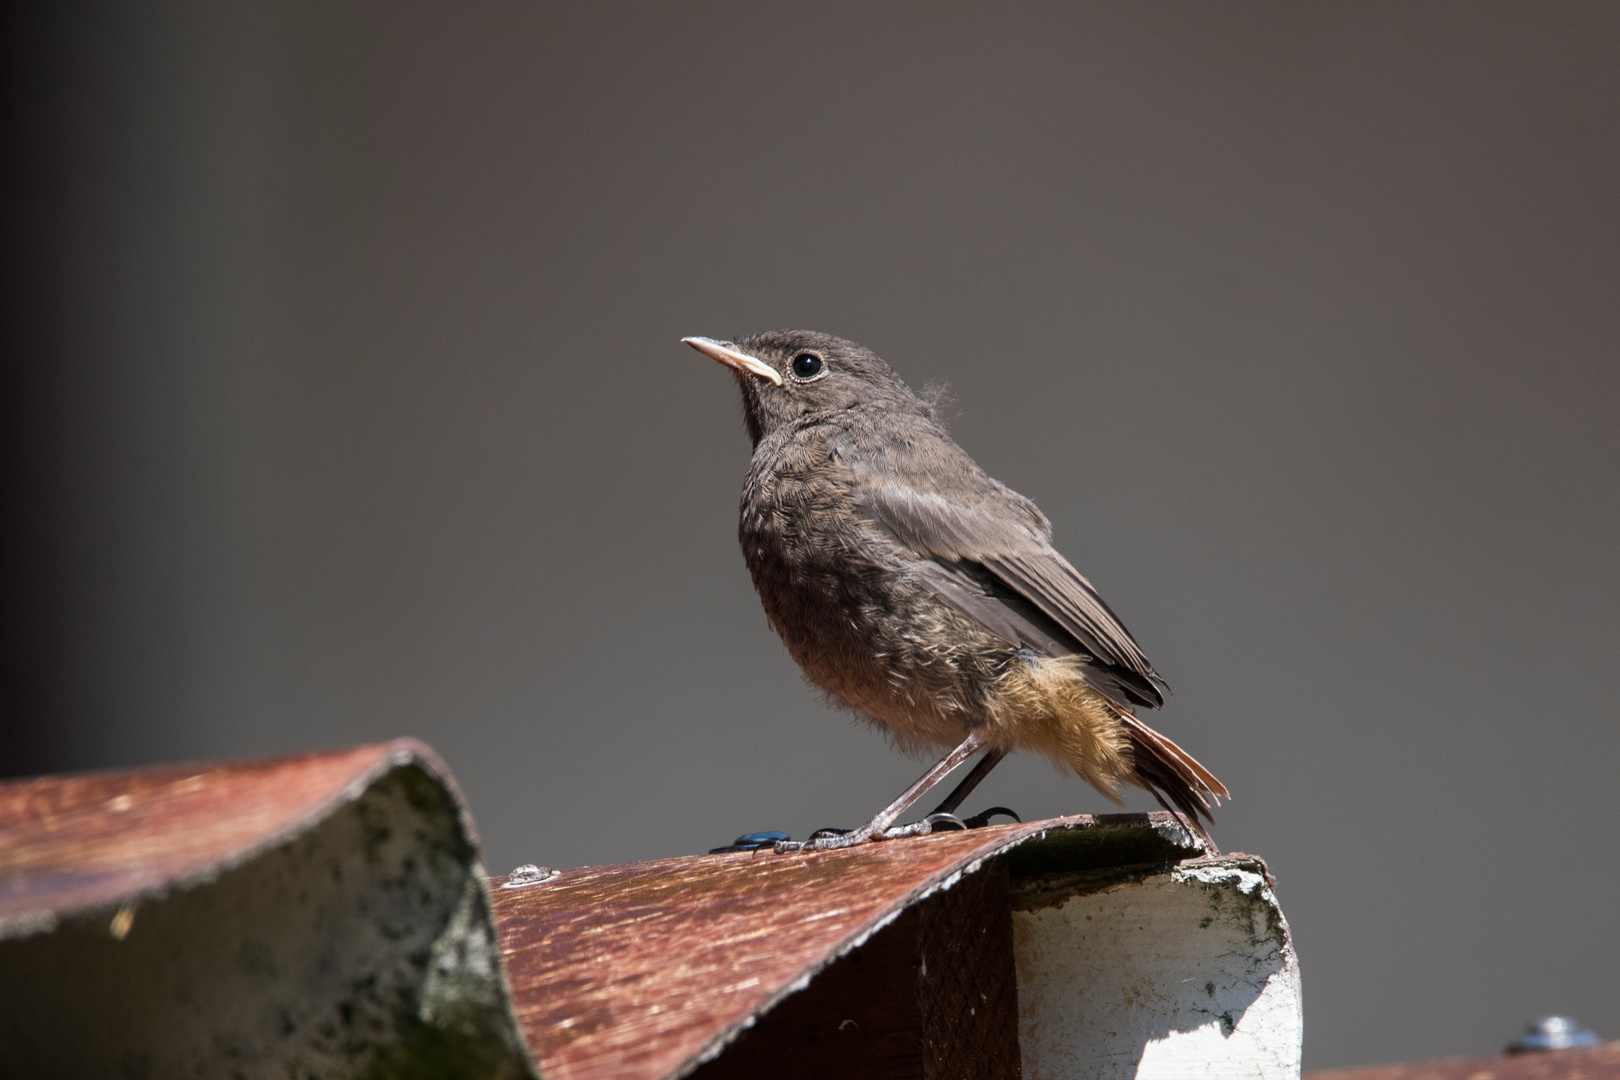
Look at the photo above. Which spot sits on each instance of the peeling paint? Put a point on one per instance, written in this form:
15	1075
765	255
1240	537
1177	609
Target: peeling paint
1184	972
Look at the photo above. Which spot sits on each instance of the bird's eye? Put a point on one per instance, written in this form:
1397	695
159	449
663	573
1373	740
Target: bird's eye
806	366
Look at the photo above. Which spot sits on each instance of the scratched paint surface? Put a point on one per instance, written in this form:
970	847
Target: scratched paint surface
73	843
322	916
625	971
635	972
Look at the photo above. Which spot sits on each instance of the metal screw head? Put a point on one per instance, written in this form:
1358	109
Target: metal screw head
526	875
1553	1033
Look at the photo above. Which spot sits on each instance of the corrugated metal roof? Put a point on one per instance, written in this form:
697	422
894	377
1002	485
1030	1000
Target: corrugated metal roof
316	916
641	971
636	972
74	843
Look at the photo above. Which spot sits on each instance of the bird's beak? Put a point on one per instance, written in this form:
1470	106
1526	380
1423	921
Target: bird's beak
734	359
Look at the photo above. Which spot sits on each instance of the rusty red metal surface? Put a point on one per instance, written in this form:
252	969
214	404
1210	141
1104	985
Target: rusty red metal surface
75	843
1598	1063
636	972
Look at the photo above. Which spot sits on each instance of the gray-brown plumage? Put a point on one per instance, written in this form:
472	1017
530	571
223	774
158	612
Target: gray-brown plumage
915	589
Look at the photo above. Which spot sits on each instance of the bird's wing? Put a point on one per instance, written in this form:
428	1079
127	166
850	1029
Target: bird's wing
940	504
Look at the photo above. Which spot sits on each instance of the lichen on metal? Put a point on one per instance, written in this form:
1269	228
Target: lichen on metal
323	916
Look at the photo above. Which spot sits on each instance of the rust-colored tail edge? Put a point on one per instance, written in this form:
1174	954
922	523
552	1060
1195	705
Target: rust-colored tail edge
1173	776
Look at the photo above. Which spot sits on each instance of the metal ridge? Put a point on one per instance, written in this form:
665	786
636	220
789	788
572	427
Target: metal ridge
80	842
646	970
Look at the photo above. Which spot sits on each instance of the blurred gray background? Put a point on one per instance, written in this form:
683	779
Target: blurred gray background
346	402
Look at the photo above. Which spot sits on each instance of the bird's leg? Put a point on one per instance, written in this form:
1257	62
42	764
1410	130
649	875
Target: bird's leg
947	809
944	814
969	782
878	827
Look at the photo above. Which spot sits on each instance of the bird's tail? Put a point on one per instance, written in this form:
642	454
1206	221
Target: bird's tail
1172	775
1047	705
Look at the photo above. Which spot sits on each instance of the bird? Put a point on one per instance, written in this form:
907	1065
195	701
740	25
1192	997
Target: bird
915	590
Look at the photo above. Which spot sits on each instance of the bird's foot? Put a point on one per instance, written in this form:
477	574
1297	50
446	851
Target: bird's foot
826	840
982	818
834	839
945	822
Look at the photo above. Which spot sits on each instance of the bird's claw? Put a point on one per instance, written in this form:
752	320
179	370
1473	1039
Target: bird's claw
982	818
944	823
824	840
834	839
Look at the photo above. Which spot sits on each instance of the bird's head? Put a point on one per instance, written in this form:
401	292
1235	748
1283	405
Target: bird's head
786	374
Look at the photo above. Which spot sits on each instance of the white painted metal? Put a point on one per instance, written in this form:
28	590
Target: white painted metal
1184	974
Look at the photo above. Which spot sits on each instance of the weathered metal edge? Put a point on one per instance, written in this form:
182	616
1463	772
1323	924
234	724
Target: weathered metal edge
391	756
1167	825
394	754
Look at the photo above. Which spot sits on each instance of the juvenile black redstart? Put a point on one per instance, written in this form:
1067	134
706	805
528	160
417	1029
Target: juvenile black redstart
919	592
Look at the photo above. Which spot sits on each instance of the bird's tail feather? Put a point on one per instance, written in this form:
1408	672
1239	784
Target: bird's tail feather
1048	705
1170	773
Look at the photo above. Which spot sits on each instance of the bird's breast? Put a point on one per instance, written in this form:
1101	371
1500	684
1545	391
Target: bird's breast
846	599
799	517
